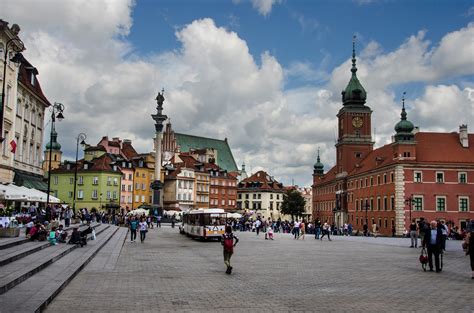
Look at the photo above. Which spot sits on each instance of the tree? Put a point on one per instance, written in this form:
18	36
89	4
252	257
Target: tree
293	203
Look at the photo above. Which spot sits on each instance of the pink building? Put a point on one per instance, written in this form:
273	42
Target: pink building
123	152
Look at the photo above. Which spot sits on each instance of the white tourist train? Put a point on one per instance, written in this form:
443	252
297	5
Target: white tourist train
204	223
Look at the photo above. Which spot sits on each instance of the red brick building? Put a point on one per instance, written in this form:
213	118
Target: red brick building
223	188
419	174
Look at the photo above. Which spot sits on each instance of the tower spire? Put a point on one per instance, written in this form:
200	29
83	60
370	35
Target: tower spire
404	113
318	160
354	68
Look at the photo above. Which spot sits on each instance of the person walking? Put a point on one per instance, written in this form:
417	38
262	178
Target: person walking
469	245
326	231
432	240
133	224
302	230
67	216
444	232
296	229
228	239
258	224
317	231
414	234
374	229
143	229
158	221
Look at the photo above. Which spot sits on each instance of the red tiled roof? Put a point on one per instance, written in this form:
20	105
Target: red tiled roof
100	164
24	76
443	148
266	182
129	151
430	148
329	176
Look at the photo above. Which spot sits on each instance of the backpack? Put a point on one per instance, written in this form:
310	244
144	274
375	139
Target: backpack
229	243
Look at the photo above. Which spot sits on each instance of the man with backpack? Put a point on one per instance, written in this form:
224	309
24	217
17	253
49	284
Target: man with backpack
228	242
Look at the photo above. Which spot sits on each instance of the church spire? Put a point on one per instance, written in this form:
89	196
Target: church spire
354	94
404	128
318	166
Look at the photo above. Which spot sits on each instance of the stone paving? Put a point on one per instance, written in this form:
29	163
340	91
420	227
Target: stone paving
172	273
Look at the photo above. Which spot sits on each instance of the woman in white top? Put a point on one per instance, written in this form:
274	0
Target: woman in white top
143	229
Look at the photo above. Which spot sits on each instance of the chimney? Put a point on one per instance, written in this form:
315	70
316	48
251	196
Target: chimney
127	142
463	137
116	139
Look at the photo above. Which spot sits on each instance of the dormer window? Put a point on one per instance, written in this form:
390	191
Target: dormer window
68	166
86	166
115	168
32	78
123	164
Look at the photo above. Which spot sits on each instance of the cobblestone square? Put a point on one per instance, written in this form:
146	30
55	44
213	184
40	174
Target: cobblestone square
173	273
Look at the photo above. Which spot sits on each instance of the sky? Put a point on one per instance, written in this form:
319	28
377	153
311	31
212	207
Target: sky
265	74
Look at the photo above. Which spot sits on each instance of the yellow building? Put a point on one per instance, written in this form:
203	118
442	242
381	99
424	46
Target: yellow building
202	190
143	177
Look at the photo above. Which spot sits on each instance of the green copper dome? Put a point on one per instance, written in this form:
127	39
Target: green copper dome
354	92
318	166
404	128
55	145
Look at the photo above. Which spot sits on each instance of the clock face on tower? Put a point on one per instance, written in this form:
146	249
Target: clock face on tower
357	122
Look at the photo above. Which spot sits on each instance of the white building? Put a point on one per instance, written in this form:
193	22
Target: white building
261	194
24	112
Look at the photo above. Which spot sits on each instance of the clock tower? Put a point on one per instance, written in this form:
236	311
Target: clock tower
354	140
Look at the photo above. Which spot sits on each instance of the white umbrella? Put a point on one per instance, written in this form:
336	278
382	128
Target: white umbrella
234	215
139	212
12	192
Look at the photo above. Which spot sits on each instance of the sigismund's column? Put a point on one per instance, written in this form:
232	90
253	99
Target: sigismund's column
157	185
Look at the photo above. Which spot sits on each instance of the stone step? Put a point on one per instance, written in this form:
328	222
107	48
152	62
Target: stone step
17	252
6	243
38	291
14	273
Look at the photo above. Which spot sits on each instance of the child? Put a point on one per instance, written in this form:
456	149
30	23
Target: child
270	233
228	243
52	236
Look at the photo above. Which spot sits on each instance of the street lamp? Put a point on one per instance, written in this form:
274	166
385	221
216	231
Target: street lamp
17	59
410	201
367	206
59	108
81	137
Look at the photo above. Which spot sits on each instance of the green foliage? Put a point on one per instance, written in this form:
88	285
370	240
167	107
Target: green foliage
293	203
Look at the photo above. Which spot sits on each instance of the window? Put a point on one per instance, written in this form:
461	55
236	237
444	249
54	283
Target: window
108	195
123	187
417	203
55	180
71	180
114	195
143	198
115	181
462	178
392	203
385	204
18	108
278	197
440	203
378	180
80	194
271	196
378	204
5	145
94	194
80	180
392	177
439	177
95	180
384	178
130	176
254	196
463	204
417	178
138	199
109	181
70	194
129	188
86	166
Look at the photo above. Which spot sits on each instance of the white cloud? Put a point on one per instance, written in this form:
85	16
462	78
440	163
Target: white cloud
214	86
264	7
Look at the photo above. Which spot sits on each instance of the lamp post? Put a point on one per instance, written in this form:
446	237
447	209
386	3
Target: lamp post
81	137
59	108
17	46
410	201
100	201
366	217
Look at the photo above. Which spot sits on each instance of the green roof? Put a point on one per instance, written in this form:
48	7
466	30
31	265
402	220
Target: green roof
30	181
225	159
